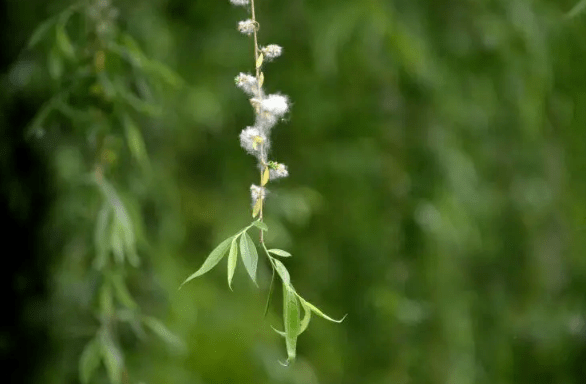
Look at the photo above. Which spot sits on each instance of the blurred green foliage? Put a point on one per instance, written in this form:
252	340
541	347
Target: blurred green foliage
437	189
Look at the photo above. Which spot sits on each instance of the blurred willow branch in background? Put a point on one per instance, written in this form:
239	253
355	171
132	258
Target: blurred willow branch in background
577	9
102	83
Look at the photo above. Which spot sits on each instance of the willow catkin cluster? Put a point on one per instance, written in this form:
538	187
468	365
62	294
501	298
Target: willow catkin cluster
268	108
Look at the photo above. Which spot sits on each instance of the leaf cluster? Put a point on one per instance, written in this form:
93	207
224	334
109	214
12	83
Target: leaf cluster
241	244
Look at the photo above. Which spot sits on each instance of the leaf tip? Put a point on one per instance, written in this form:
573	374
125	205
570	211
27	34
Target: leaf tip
288	361
184	282
279	332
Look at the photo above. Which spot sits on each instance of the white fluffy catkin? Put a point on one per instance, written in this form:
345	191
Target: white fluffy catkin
246	27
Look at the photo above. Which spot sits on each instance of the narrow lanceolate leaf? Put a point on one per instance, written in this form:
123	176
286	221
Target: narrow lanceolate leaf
213	259
106	299
279	332
280	252
259	224
89	361
291	320
306	317
578	8
283	273
63	41
41	31
318	312
124	240
55	63
135	141
304	322
249	255
259	60
116	242
112	357
46	25
121	292
257	207
265	177
232	258
163	332
101	237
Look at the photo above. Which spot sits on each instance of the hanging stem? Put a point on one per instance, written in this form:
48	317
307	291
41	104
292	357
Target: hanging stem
264	166
270	293
257	68
272	278
255	43
263	169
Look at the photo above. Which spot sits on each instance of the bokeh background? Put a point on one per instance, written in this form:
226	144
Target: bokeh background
437	190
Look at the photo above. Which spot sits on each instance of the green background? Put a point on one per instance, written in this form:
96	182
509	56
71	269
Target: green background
436	192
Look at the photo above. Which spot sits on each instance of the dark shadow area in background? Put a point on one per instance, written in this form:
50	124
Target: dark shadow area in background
25	197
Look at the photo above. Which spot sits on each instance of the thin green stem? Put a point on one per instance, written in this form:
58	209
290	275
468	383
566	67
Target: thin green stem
270	293
244	230
268	254
257	69
272	278
260	215
255	41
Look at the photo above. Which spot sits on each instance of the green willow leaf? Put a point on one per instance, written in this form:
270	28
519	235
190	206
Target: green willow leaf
318	312
131	51
36	127
122	224
279	332
135	141
63	41
112	356
249	255
133	319
121	292
101	237
291	320
577	9
304	322
132	256
280	252
121	93
260	225
41	31
46	25
89	361
163	332
283	273
55	64
232	259
116	242
164	72
106	299
306	317
214	258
